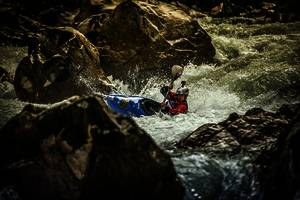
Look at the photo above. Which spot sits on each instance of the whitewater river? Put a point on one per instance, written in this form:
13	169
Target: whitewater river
259	66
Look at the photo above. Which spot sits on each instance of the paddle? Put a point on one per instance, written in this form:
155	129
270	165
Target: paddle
176	73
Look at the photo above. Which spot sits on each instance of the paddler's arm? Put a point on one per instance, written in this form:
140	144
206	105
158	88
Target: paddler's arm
171	86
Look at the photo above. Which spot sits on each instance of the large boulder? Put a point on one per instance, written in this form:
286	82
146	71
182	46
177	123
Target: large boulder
61	62
79	149
281	167
146	37
254	134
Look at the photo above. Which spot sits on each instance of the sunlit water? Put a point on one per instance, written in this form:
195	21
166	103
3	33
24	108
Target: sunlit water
256	64
207	103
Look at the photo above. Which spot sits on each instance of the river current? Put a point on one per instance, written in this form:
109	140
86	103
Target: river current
258	66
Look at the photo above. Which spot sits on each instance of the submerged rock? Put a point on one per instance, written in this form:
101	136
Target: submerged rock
61	63
79	149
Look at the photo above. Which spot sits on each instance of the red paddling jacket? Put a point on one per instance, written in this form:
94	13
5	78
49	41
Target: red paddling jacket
174	105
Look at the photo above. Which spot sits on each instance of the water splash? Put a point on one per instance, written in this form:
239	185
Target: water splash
210	178
208	103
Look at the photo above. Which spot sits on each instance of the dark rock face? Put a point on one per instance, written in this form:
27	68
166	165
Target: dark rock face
282	166
61	62
142	37
79	149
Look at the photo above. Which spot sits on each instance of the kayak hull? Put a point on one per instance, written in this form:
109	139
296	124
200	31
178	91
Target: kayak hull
134	106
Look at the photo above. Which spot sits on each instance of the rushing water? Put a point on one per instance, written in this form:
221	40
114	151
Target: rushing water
258	67
203	176
207	178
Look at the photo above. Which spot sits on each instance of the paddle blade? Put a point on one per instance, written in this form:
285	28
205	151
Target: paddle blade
176	72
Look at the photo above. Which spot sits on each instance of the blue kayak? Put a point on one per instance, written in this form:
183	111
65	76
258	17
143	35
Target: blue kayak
134	106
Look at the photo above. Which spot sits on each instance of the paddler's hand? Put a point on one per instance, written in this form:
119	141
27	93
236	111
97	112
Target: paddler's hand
171	85
162	105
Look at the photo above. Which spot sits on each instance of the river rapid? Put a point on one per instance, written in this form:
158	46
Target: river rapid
258	66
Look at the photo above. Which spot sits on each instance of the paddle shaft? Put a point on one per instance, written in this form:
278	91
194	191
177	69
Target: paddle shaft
176	73
165	98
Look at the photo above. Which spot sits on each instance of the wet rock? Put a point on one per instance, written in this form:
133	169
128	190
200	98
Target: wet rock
79	149
61	63
142	39
281	167
254	133
211	138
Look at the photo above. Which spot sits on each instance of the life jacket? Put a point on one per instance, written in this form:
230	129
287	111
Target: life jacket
174	106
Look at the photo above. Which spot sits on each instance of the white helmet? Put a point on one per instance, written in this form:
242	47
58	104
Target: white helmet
183	91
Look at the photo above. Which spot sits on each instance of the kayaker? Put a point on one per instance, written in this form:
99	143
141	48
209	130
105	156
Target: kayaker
176	102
